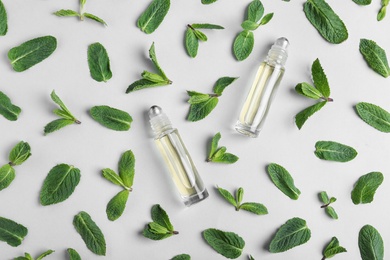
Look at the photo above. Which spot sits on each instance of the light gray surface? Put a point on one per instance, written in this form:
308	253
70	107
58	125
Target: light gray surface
91	147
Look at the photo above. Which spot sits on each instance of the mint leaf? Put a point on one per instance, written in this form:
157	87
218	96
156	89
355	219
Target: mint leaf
200	36
220	155
31	52
227	196
111	176
266	19
291	234
196	97
206	26
73	255
319	79
302	116
161	226
44	254
307	90
7	175
200	110
374	115
26	256
182	257
95	18
243	45
207	2
228	244
7	109
250	257
375	57
57	125
331	212
222	83
382	11
116	206
19	154
153	77
161	217
362	2
126	168
239	195
324	198
99	62
326	21
255	11
153	16
333	151
61	104
249	25
365	188
3	20
90	233
191	42
111	118
333	248
254	207
283	180
59	184
11	232
370	243
153	58
66	13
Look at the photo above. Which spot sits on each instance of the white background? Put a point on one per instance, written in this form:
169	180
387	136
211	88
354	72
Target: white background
92	147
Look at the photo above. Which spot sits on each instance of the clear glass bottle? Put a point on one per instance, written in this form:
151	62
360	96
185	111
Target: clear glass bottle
258	101
181	167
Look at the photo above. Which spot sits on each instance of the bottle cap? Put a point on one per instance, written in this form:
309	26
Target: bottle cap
278	53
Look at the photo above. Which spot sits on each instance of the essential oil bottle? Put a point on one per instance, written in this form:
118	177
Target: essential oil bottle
258	101
181	167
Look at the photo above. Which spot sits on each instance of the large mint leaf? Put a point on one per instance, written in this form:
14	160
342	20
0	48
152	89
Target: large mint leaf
243	45
375	57
333	151
111	118
370	244
11	232
7	109
302	116
374	115
283	180
319	78
99	62
116	206
73	254
200	110
365	188
228	244
3	20
7	175
126	168
153	16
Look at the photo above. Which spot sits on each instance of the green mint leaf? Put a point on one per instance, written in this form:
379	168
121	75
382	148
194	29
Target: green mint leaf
153	16
214	144
333	248
182	257
196	97
66	12
7	175
153	58
57	125
225	158
324	197
126	168
220	155
375	57
319	79
302	116
332	200
116	206
90	233
207	2
291	234
364	190
20	153
111	118
157	228
31	52
239	195
148	233
191	42
82	4
256	208
153	77
61	104
266	18
7	109
255	11
200	110
200	36
73	255
381	13
362	2
11	232
95	18
111	176
59	184
333	151
44	254
307	90
370	244
3	20
228	244
63	114
250	257
227	196
243	45
143	83
160	217
222	83
249	25
331	212
99	62
26	256
206	26
326	21
374	115
283	180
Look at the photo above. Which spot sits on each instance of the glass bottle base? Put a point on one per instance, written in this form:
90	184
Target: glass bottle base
247	130
189	201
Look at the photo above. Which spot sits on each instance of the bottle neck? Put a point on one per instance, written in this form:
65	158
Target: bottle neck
277	55
160	124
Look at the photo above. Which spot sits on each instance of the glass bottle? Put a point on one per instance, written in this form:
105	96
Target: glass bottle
258	101
181	167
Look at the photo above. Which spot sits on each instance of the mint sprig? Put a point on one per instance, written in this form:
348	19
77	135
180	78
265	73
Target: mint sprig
327	201
219	154
332	249
382	11
194	35
253	207
27	256
202	104
320	91
161	226
81	14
